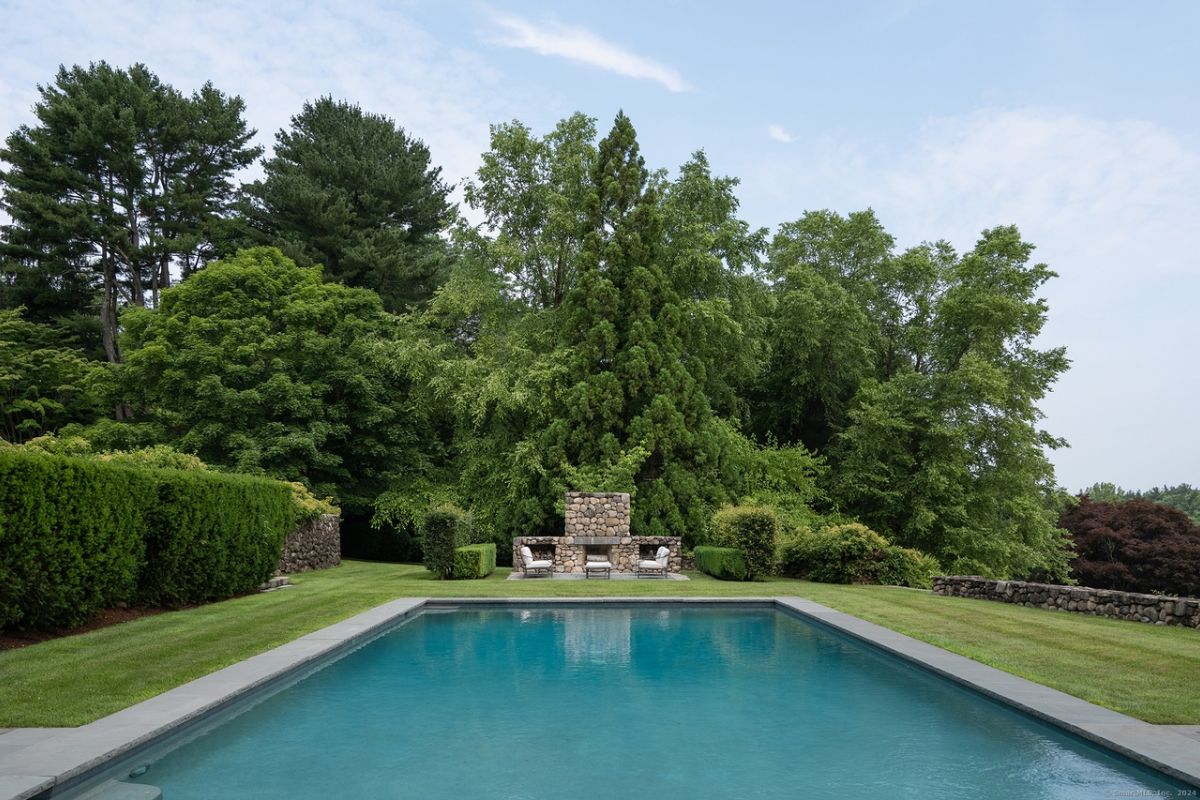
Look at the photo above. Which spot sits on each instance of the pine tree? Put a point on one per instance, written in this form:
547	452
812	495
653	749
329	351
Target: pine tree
121	179
630	382
355	193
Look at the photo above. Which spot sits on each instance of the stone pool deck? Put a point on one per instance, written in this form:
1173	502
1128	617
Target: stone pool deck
38	762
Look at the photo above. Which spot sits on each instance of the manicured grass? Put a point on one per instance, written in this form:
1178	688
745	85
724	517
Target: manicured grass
1143	670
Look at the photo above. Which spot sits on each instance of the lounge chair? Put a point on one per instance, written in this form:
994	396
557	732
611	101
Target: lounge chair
597	565
656	567
533	566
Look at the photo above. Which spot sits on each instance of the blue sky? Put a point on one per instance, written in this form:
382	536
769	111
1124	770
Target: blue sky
1077	121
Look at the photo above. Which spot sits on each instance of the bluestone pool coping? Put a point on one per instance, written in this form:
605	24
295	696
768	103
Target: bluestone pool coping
40	762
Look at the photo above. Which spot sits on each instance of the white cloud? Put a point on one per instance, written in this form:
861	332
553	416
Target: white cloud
580	44
1111	206
275	57
777	132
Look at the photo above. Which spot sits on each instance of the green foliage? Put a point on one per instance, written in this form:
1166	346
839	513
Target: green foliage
1184	496
605	387
45	383
212	535
72	537
853	553
752	530
925	400
257	366
474	561
444	529
352	191
121	178
726	563
80	534
903	566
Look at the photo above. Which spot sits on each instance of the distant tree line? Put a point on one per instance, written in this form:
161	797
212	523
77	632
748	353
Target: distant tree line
608	326
1184	497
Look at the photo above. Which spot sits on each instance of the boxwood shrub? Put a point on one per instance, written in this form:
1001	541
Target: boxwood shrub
475	560
726	563
78	535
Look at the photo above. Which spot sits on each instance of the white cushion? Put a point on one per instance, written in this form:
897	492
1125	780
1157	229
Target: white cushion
598	565
539	564
526	554
662	554
649	565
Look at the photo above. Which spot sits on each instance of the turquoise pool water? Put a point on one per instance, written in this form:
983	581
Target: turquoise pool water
600	703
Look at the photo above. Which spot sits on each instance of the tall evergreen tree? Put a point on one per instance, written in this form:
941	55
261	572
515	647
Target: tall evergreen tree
122	179
353	192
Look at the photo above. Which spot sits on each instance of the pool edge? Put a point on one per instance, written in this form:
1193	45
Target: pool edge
68	757
1165	751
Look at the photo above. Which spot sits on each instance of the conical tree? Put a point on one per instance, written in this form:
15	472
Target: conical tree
630	381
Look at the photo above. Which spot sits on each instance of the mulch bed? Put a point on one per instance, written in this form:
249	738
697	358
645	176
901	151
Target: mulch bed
11	640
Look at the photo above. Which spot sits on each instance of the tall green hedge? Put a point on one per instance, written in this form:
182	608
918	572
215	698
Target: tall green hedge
78	535
754	530
444	529
726	563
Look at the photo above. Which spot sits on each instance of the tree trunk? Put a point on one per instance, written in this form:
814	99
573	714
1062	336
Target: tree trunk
108	313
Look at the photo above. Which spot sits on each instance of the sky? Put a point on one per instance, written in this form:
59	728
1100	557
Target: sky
1079	122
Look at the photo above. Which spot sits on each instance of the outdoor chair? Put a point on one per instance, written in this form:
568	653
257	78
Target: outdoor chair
656	567
533	566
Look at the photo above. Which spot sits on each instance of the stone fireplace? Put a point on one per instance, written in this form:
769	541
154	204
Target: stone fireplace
597	524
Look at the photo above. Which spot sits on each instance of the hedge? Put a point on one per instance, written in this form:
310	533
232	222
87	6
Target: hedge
726	563
78	535
475	560
444	529
754	530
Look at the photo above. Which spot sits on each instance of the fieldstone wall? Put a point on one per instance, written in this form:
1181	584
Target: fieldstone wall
598	523
316	544
597	514
1153	608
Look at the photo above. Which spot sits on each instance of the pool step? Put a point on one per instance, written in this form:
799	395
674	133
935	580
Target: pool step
116	790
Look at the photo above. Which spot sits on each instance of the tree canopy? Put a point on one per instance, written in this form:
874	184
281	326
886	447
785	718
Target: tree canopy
607	325
122	179
257	365
353	192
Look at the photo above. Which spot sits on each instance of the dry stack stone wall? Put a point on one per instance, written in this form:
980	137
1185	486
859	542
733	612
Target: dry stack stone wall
1153	608
597	514
316	544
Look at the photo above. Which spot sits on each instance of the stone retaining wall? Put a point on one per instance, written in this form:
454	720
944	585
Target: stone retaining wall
1153	608
316	544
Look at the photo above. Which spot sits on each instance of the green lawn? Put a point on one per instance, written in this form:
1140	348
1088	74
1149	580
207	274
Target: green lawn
1143	670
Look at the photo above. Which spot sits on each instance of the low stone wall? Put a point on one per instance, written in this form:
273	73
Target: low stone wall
569	552
1153	608
316	544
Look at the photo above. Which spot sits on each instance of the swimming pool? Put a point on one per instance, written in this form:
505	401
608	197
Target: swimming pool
622	702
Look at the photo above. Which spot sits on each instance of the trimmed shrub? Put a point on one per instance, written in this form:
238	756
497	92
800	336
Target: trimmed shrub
444	529
726	563
213	535
71	537
475	561
754	530
78	535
